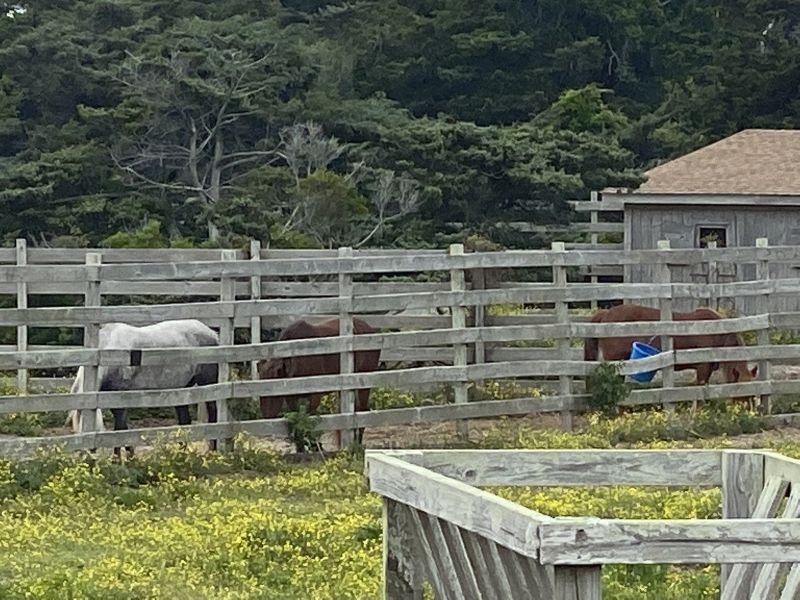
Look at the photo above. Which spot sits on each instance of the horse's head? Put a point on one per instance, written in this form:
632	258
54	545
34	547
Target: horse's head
739	372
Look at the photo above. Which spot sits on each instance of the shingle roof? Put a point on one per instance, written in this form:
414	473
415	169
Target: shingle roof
754	161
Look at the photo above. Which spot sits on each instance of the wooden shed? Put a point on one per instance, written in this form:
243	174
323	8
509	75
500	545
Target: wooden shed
734	191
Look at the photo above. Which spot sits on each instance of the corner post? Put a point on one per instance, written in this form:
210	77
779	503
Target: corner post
665	304
458	315
742	482
401	577
87	418
562	317
764	366
347	402
22	302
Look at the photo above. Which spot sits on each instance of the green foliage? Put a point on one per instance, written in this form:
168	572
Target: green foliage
607	388
303	428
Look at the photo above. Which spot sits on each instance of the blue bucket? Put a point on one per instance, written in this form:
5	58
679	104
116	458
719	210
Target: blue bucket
640	350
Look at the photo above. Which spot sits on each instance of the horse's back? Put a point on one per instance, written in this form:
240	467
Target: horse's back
166	334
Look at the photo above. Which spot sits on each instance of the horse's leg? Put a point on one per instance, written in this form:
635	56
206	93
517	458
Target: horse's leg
211	409
182	412
362	405
121	424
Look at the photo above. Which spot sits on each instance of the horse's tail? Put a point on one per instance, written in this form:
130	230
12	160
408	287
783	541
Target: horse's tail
590	350
74	415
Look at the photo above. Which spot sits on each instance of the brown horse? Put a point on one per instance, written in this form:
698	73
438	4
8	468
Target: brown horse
316	364
619	348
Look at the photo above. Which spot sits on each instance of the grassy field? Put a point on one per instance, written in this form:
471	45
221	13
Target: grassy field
175	523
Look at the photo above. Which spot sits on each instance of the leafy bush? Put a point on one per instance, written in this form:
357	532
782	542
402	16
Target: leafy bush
607	388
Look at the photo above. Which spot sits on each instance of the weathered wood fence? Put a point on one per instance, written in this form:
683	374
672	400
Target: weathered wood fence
268	289
440	528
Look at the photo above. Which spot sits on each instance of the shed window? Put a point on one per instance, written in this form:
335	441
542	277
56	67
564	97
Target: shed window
712	233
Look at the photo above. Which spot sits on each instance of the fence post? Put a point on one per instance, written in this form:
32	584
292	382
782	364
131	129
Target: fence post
713	279
562	317
593	220
255	322
227	293
401	575
742	482
91	339
22	302
479	283
347	397
764	367
665	304
578	582
458	321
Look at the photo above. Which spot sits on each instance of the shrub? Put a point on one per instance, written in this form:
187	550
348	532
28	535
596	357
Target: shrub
607	388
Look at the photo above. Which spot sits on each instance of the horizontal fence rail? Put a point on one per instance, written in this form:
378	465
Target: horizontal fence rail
447	324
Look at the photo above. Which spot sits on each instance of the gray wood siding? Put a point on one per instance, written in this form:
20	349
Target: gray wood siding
647	224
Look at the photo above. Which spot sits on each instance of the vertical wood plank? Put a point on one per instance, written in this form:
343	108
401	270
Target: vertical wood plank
89	419
593	219
401	579
426	552
255	294
480	566
791	590
227	293
458	315
562	316
479	283
769	575
741	578
347	398
578	583
461	561
441	554
713	278
764	366
742	482
22	302
665	304
498	568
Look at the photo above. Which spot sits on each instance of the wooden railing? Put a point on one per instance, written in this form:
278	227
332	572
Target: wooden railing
469	347
440	528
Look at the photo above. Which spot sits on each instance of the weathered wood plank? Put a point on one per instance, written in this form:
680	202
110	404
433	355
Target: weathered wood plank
485	576
578	467
778	465
401	577
596	541
578	583
741	579
791	590
769	575
742	482
403	263
429	555
455	548
497	567
432	527
474	510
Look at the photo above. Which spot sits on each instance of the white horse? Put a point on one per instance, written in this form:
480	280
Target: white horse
167	334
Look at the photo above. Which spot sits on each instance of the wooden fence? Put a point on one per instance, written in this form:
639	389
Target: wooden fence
468	543
457	328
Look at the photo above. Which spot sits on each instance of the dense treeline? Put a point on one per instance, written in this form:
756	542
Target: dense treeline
315	123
